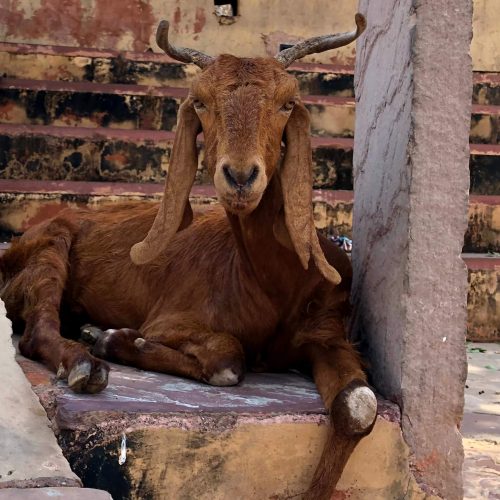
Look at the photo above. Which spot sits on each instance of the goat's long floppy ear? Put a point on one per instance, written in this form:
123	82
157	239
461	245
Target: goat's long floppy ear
175	211
296	182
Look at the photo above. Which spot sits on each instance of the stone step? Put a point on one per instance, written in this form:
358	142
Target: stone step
46	152
157	436
51	62
26	202
130	106
31	61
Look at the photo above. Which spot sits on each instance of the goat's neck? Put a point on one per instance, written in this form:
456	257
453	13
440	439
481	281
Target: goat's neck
276	268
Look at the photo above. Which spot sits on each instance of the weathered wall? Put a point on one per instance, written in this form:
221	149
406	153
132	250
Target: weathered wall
411	161
485	47
260	26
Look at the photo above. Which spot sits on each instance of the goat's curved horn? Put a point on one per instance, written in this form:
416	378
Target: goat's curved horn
180	53
321	43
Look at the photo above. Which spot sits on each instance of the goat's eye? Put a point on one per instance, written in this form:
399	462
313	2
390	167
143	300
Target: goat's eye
198	104
288	106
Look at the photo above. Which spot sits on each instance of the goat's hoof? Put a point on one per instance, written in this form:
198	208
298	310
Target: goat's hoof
354	410
89	376
100	348
225	377
112	341
90	334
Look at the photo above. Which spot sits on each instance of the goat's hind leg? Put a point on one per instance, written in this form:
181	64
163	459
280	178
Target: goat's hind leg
341	381
33	293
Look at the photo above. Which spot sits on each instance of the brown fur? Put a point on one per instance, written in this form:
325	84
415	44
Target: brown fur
246	284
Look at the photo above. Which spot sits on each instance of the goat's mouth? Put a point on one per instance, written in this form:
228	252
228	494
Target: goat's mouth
240	203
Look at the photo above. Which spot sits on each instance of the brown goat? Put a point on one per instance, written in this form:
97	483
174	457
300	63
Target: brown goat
249	283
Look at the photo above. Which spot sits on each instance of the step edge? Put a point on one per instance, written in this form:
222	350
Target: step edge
17	129
175	92
95	188
70	51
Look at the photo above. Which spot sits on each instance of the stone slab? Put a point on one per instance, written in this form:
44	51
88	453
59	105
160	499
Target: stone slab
29	453
150	435
54	494
132	391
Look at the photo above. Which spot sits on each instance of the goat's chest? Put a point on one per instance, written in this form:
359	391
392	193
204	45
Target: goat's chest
247	313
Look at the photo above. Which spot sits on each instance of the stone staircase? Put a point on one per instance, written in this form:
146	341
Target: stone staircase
85	127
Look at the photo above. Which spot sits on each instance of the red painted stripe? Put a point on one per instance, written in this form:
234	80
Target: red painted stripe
484	199
61	50
133	135
94	88
131	189
332	142
103	133
485	149
326	100
86	188
480	77
481	262
87	133
322	68
485	109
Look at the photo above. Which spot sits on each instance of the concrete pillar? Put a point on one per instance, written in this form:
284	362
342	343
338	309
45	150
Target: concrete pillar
411	177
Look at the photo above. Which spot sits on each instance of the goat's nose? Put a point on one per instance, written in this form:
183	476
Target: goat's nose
241	178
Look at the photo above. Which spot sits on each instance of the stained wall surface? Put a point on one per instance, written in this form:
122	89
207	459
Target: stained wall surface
258	29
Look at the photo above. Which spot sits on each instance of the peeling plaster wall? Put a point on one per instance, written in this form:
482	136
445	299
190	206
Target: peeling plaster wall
413	86
259	28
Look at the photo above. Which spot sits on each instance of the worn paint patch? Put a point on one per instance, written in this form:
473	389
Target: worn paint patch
72	23
483	305
483	232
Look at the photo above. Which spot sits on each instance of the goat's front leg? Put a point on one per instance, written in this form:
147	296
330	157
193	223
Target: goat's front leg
34	294
341	381
177	348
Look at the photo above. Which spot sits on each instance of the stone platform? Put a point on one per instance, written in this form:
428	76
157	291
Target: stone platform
151	435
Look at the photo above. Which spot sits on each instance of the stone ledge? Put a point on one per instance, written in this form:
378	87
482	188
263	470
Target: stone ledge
182	439
53	493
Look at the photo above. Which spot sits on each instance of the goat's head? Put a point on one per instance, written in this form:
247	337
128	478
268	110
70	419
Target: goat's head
245	108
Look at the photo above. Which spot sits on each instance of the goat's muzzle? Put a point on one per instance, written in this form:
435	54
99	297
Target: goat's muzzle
240	185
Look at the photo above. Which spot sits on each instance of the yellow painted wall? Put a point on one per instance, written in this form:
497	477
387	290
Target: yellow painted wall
485	48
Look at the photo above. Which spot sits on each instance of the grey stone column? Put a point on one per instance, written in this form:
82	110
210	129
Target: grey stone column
411	178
